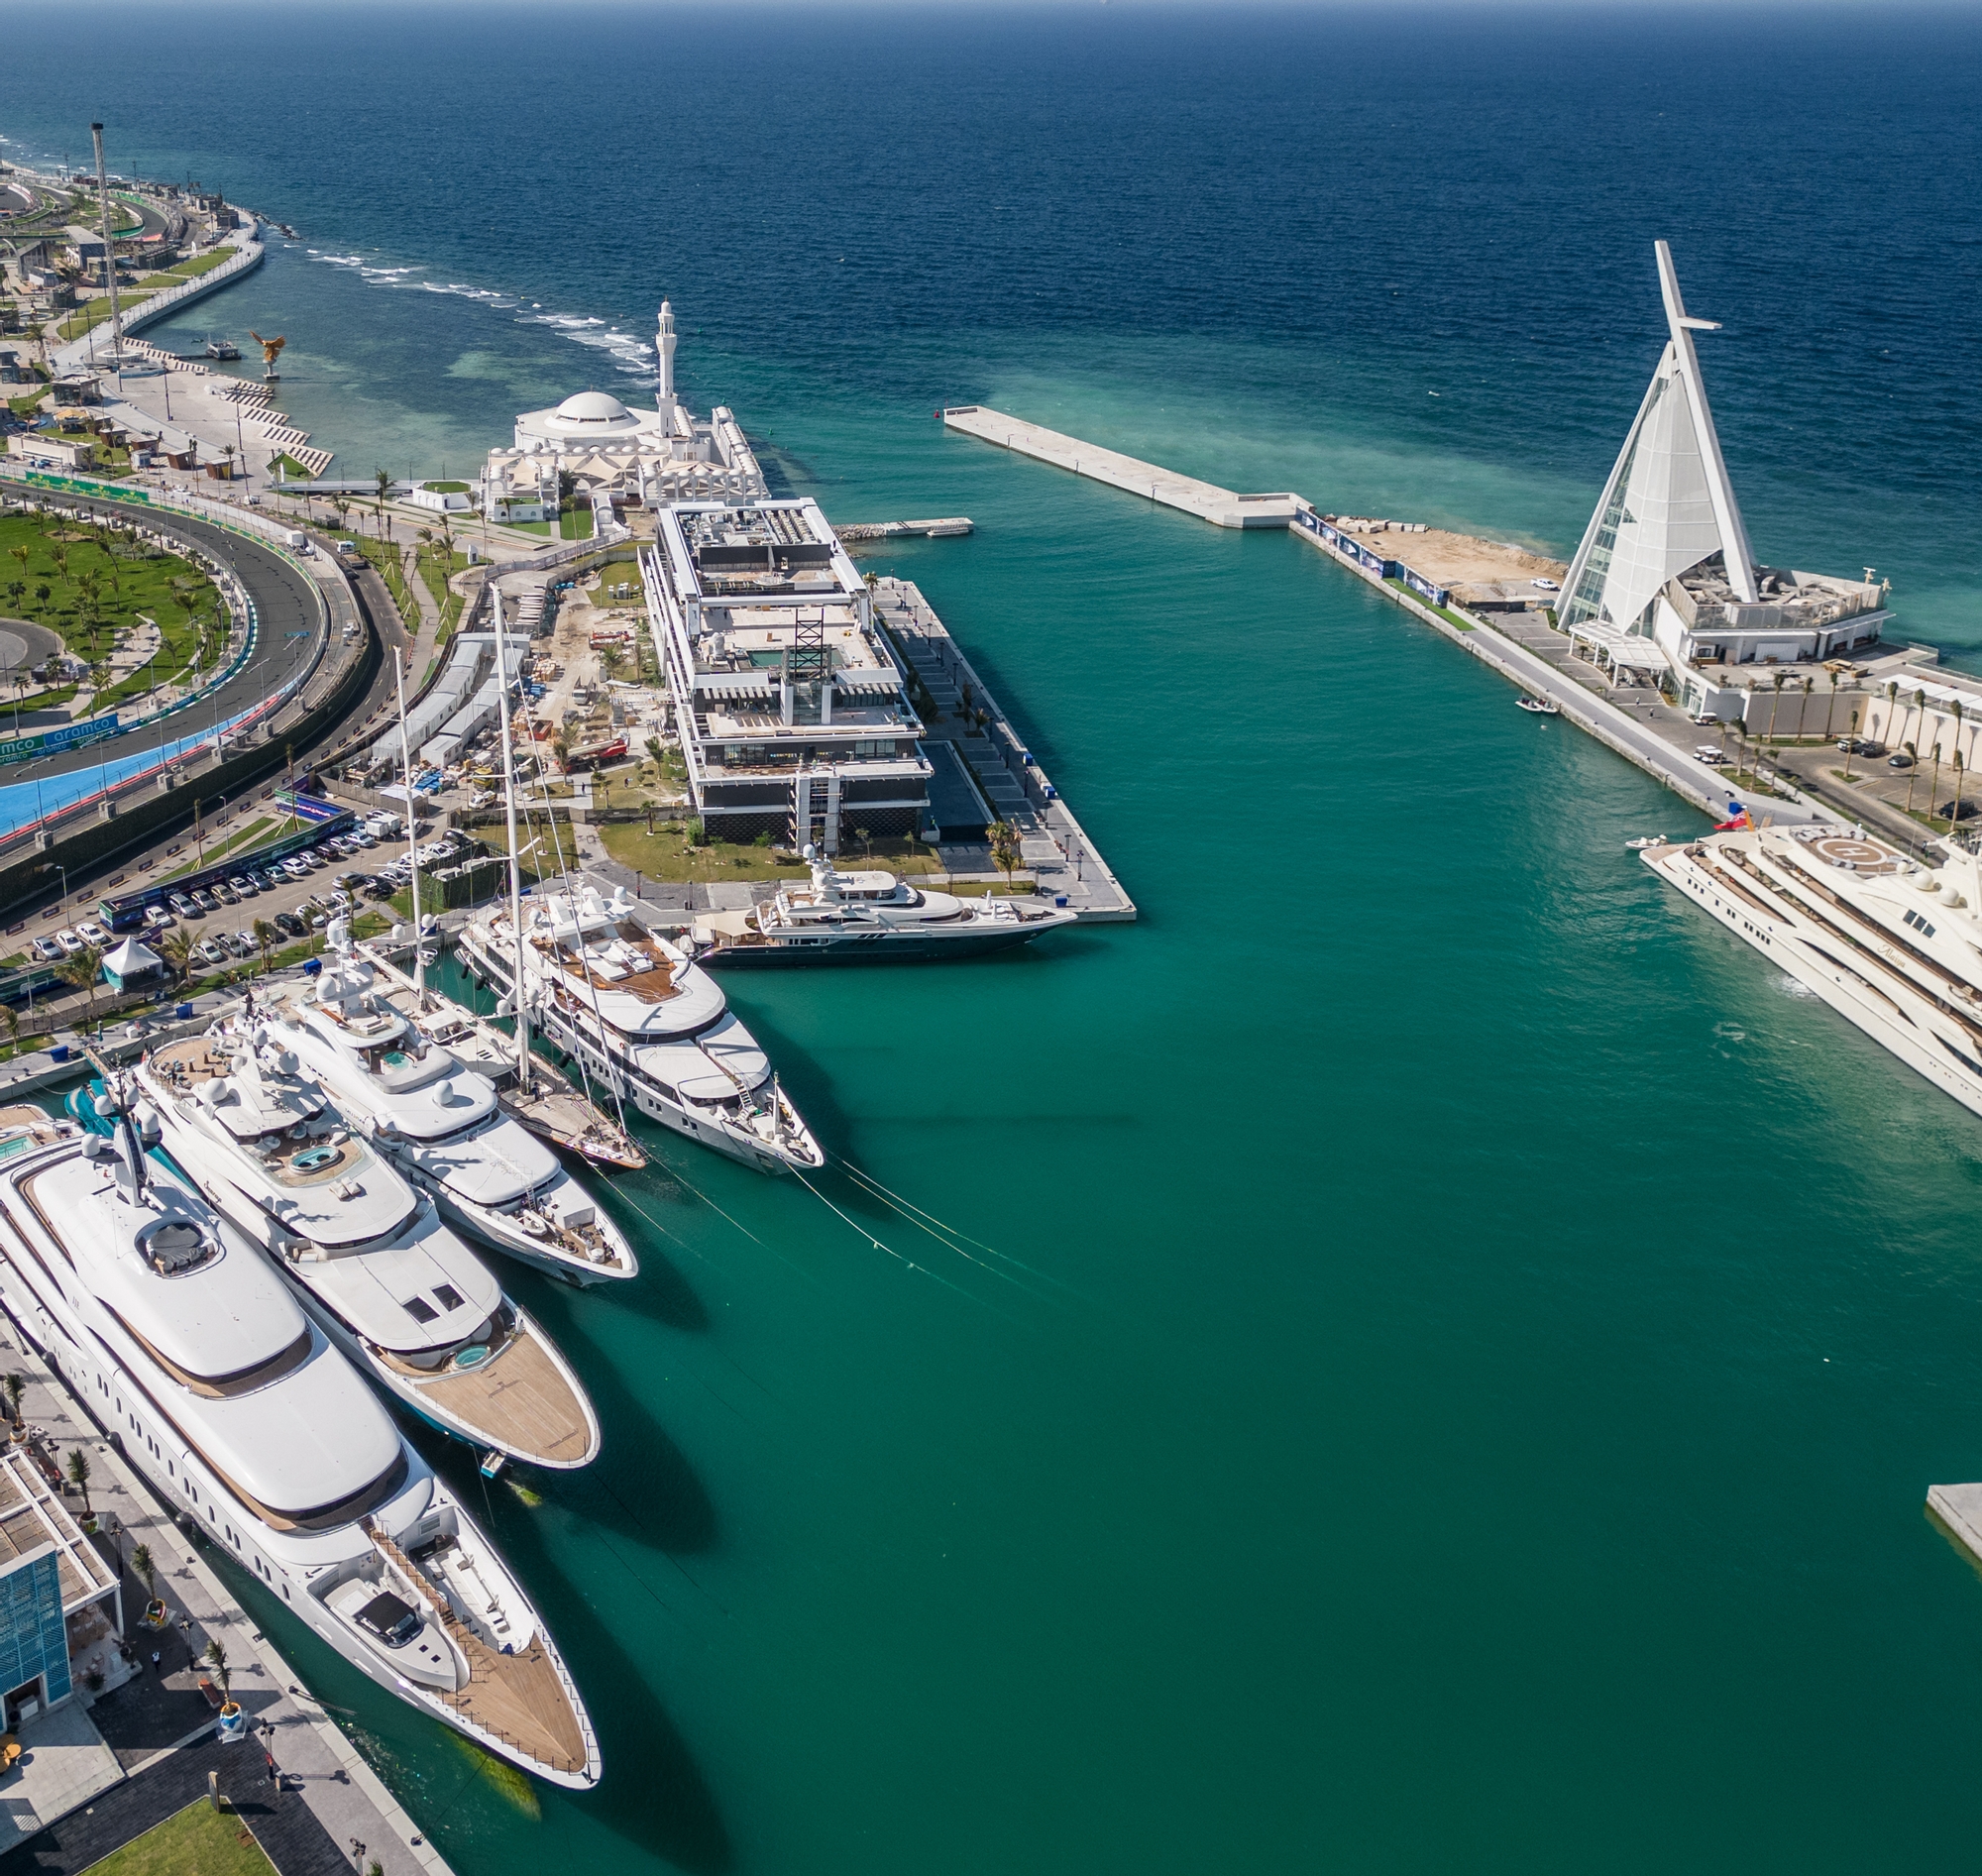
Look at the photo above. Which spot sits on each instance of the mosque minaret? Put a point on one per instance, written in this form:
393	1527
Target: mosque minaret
639	458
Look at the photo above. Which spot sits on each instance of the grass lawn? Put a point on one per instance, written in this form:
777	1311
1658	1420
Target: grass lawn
286	466
89	625
198	1841
574	524
521	527
220	849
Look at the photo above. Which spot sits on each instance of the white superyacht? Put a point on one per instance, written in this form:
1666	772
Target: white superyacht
869	916
1890	944
645	1020
370	1258
442	1123
241	1413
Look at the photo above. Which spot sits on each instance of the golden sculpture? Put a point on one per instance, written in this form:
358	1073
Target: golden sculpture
272	350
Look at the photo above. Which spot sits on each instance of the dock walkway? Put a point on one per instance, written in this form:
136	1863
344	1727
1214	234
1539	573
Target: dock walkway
1055	847
1222	507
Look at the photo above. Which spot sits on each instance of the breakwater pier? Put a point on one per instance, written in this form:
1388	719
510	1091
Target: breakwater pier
1222	507
984	771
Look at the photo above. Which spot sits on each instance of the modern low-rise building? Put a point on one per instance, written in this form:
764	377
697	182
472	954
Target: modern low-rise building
793	713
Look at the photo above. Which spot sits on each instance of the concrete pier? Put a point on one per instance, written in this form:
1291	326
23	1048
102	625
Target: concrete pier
1055	849
1222	507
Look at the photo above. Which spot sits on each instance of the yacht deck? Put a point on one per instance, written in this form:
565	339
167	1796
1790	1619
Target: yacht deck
519	1400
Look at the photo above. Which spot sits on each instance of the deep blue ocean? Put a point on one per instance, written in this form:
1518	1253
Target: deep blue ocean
1451	1351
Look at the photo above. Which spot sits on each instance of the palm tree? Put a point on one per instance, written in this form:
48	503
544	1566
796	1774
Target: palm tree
264	936
1892	698
1933	785
177	948
1829	706
78	1477
216	1658
20	554
80	968
1849	745
1740	731
1919	705
1913	776
866	840
16	1384
1955	814
1006	849
1775	704
144	1570
60	558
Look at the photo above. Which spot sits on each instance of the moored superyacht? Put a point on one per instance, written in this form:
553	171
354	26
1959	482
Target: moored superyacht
870	917
369	1256
1892	944
441	1123
645	1020
240	1411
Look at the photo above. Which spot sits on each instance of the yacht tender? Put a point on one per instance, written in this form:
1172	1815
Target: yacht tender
1893	944
442	1125
872	916
370	1257
238	1410
644	1019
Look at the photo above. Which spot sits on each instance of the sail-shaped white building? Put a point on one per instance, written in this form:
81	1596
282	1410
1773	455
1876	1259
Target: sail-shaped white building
1666	555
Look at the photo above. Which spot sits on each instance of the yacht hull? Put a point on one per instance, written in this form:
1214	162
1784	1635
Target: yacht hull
486	969
1881	1002
864	947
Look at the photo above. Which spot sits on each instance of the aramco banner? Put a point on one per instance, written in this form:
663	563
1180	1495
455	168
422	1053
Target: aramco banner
51	741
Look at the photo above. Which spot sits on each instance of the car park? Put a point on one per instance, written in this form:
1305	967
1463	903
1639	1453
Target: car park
91	932
68	941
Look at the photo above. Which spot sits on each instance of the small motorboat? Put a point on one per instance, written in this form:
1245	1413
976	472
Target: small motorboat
1644	840
1540	706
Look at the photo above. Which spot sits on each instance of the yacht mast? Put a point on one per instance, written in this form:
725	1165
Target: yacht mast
518	996
412	843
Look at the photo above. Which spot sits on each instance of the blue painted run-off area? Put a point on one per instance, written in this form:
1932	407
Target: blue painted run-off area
22	803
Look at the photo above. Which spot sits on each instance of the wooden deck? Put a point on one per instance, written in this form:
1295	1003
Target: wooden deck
522	1402
189	1061
516	1696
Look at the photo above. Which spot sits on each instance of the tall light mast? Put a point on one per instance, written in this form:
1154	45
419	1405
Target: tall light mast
109	254
517	994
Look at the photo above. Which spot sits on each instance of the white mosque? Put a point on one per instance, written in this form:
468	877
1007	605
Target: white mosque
644	458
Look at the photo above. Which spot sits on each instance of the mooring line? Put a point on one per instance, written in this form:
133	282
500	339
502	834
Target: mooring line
897	1202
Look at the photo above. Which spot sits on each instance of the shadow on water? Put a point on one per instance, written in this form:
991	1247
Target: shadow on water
653	1793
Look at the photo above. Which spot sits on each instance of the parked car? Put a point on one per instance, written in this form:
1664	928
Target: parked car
1859	745
338	902
242	944
157	918
1947	811
92	933
68	941
49	951
365	837
1545	586
290	925
184	906
224	894
297	866
244	886
212	950
1900	761
318	919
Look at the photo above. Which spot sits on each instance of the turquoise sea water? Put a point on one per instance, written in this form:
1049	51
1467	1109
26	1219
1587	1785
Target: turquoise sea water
1451	1351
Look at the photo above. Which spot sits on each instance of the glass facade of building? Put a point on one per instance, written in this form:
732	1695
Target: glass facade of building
33	1637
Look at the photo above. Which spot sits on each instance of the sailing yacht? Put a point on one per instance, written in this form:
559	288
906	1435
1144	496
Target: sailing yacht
370	1258
236	1405
1891	943
644	1019
870	917
441	1123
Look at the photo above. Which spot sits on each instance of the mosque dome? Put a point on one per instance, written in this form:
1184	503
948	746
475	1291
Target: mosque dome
593	406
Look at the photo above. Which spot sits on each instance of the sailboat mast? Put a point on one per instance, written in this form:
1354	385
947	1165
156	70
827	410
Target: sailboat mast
517	995
413	839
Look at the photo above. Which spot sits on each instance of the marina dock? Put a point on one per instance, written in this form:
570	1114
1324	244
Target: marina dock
991	767
1222	507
